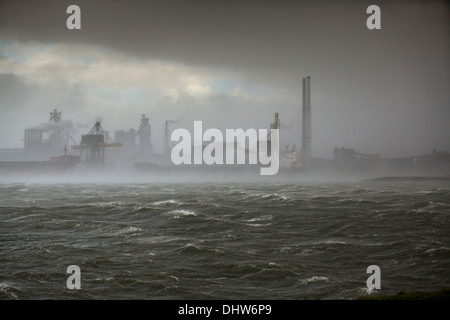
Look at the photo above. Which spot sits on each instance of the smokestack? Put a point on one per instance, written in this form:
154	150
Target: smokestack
276	123
306	119
166	144
303	116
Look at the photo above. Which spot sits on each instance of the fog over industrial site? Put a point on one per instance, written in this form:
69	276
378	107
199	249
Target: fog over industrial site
232	64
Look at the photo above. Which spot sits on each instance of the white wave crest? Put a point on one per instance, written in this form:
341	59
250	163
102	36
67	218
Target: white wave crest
364	291
166	202
441	250
128	230
179	213
262	218
275	196
313	279
329	242
6	288
432	206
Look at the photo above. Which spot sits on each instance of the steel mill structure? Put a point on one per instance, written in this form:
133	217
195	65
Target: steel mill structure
93	144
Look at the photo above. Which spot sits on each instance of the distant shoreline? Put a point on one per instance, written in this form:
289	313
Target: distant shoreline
410	179
441	294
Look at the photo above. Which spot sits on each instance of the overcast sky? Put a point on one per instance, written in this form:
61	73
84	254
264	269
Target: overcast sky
233	64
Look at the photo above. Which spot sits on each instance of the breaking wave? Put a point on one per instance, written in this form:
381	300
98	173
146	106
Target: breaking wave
180	213
313	279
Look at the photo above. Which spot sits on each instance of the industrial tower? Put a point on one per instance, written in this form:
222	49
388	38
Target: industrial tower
93	145
144	134
306	119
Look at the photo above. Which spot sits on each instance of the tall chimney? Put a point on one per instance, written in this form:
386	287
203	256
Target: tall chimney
306	119
276	123
166	131
303	117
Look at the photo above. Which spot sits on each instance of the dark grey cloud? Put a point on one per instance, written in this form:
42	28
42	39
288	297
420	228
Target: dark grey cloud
265	37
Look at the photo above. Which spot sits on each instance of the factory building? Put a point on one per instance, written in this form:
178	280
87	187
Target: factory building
48	139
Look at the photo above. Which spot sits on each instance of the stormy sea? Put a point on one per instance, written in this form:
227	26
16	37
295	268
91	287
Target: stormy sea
223	241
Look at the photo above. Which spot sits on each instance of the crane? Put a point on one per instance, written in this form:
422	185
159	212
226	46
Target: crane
93	144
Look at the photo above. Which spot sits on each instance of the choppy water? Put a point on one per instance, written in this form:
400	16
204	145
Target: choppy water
205	241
